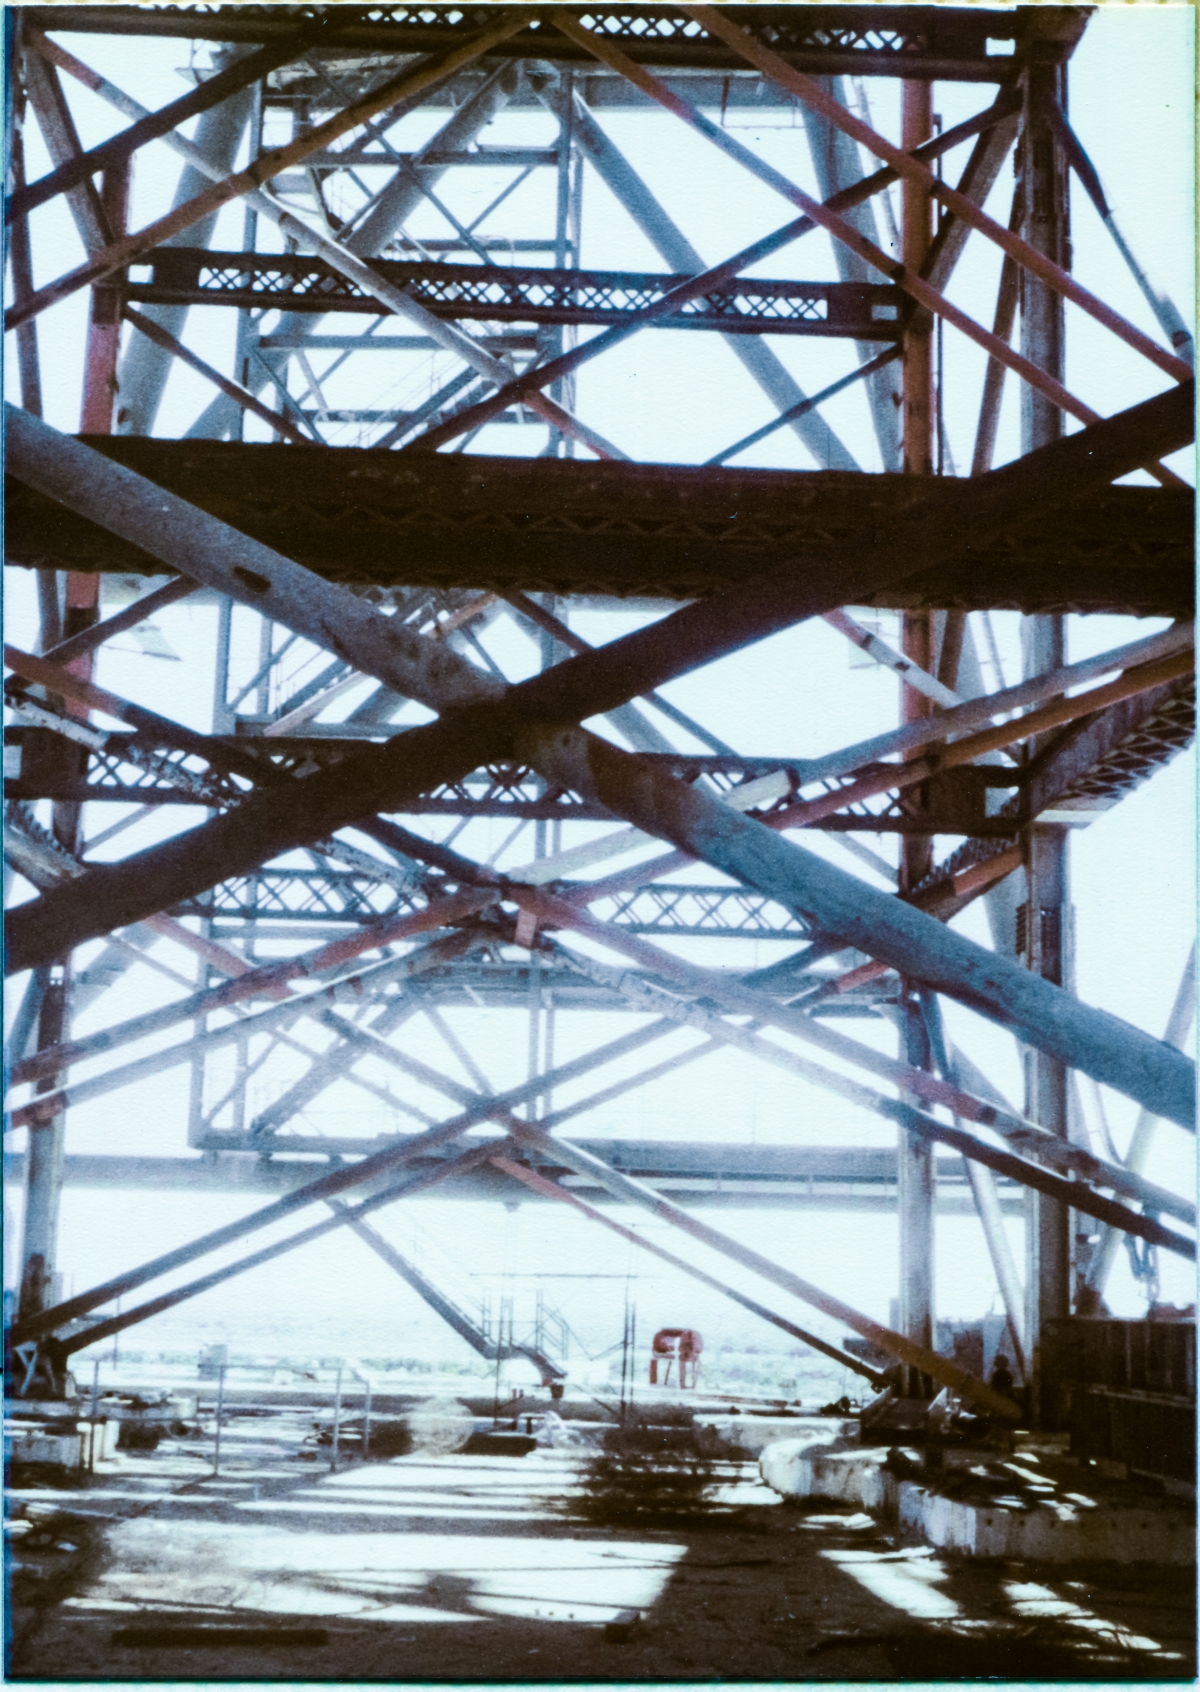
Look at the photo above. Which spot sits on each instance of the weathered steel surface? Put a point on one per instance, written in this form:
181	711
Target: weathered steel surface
1106	1048
671	531
510	293
927	41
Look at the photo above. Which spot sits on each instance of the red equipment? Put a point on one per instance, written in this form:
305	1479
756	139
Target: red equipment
676	1344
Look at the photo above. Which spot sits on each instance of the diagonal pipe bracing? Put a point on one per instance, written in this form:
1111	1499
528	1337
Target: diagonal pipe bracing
482	719
636	1192
379	1164
1037	263
554	1189
391	94
342	1217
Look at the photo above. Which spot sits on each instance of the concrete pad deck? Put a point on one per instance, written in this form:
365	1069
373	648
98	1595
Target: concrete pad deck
1037	1506
430	1569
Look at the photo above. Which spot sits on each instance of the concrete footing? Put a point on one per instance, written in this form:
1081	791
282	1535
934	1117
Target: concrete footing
1029	1508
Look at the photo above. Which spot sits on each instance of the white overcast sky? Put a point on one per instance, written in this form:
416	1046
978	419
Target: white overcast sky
680	398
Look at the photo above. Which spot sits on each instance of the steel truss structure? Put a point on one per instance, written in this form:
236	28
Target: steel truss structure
313	870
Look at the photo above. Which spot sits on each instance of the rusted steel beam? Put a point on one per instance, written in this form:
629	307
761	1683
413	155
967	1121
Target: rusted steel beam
945	43
979	176
377	780
1114	749
340	256
21	260
565	526
1035	262
54	675
68	472
104	321
395	91
208	93
905	275
507	293
1142	679
777	599
342	1217
62	143
622	1186
1002	328
232	390
554	1190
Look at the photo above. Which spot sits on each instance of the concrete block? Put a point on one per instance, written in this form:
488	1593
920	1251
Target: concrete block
811	1467
1065	1527
100	1435
33	1444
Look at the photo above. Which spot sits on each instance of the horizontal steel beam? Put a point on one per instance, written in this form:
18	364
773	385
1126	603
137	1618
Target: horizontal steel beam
947	43
480	717
518	294
208	93
1094	763
663	531
49	769
245	1169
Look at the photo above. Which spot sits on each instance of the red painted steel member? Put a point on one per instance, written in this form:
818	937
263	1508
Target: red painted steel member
683	1344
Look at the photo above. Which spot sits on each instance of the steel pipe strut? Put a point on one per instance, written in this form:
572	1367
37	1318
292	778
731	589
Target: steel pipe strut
636	1192
796	82
337	1181
1041	1014
341	1218
761	362
734	999
404	87
263	979
342	257
905	275
552	1189
158	124
529	384
381	778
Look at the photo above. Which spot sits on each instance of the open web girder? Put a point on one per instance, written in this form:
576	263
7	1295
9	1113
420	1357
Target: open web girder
394	568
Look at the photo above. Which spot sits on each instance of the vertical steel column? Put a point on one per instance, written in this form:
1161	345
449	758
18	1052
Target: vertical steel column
43	1188
18	238
104	322
43	1181
915	1187
1042	184
247	319
556	339
29	368
146	366
222	723
836	162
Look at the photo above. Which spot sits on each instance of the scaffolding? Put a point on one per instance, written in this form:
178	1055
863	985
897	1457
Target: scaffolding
391	480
